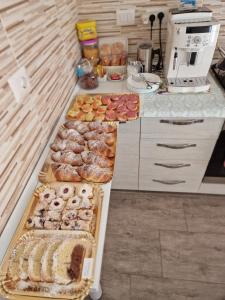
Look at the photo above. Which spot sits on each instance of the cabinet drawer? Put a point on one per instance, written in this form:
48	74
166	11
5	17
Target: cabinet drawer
173	168
153	183
176	149
199	128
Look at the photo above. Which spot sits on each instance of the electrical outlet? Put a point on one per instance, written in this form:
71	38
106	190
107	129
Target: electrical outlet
155	10
20	84
125	15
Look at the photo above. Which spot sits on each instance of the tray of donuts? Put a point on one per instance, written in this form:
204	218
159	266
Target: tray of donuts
66	206
105	107
81	152
48	264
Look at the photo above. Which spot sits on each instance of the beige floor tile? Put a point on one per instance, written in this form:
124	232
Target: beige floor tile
136	252
115	286
193	256
167	289
152	210
205	214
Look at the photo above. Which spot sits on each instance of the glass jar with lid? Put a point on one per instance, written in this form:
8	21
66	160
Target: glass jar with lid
90	50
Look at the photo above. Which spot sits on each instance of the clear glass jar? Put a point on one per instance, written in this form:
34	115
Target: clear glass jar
90	50
89	81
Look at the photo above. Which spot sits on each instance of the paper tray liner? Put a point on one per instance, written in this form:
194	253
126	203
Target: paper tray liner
47	175
8	287
68	117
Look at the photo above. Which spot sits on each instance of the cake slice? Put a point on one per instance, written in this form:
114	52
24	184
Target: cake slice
14	267
62	260
47	261
34	260
23	260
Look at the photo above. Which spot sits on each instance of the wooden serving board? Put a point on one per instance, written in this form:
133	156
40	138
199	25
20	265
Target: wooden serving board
47	175
89	107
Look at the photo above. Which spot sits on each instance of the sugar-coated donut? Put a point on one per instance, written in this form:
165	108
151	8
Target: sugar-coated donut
73	203
53	215
52	225
82	225
40	209
85	190
66	191
69	215
85	203
30	223
68	225
57	204
38	222
85	214
47	195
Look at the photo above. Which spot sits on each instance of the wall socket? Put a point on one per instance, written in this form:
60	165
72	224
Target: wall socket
155	11
20	84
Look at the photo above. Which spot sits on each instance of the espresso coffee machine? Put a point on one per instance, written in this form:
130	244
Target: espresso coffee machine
192	38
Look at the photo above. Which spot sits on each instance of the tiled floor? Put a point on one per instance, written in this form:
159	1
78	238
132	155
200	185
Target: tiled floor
164	247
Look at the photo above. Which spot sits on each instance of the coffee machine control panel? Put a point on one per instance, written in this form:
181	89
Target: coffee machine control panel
197	41
194	37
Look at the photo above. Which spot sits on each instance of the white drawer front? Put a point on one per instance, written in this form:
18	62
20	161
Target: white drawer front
173	168
178	128
176	149
153	183
126	172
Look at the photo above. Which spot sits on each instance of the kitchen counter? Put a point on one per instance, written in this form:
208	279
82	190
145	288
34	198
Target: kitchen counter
209	105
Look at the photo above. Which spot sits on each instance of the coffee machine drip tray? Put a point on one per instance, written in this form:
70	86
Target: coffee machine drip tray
188	85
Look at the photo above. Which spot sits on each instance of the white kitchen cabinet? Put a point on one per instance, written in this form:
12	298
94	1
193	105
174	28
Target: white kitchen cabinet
164	154
174	153
126	171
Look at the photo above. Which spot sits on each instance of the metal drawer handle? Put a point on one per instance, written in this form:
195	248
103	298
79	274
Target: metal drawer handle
181	122
169	182
177	146
173	166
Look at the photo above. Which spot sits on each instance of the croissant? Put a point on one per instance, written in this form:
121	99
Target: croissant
108	128
67	157
64	172
94	173
92	158
61	145
77	125
107	138
91	135
72	124
98	147
97	125
71	134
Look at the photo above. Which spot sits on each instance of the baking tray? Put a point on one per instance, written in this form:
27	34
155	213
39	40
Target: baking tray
96	204
76	290
47	175
72	115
